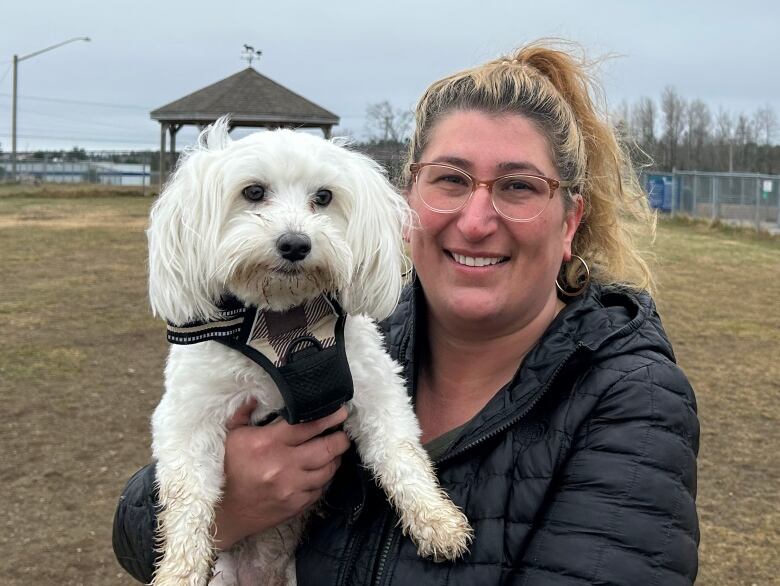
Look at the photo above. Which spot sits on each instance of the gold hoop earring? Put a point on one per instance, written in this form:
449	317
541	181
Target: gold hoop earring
582	287
409	267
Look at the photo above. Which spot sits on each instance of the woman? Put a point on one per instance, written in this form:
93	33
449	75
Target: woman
546	389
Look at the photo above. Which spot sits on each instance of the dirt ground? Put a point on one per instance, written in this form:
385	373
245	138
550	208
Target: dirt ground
80	374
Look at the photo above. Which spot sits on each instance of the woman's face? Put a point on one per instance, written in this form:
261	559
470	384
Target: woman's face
511	292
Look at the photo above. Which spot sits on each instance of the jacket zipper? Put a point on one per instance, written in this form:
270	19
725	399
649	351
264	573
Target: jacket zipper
350	558
507	424
389	534
353	544
388	538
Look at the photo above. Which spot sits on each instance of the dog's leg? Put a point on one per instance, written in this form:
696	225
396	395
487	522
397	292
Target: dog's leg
268	558
189	454
387	435
225	570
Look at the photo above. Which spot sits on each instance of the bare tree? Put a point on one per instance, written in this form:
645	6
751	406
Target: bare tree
621	118
724	135
691	136
387	124
622	126
643	121
744	137
765	123
673	109
699	121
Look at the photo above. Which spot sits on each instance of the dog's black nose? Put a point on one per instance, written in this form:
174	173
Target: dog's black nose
294	246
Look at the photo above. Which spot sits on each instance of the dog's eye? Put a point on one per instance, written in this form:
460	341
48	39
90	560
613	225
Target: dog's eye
254	192
323	197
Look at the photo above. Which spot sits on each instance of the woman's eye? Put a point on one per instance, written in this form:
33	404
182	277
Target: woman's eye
323	197
254	192
456	179
519	184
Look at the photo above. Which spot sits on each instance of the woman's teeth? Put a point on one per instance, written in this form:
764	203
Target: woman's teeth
480	261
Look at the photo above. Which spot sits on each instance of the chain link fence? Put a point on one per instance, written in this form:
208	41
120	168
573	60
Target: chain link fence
99	167
734	198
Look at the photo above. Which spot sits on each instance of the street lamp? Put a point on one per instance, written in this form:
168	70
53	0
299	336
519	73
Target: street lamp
13	100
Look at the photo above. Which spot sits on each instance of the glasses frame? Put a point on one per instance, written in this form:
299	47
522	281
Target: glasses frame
553	184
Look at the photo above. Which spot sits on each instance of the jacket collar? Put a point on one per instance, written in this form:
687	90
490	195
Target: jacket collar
604	321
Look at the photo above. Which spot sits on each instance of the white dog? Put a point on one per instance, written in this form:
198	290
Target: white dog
277	228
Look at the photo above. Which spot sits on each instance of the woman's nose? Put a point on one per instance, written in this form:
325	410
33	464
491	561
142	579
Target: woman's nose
478	219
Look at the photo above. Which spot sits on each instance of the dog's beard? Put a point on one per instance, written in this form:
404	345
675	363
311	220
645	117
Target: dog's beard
284	285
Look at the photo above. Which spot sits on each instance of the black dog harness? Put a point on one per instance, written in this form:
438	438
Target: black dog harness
301	348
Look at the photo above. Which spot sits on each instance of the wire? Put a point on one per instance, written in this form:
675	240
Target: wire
79	120
79	102
7	69
115	140
84	138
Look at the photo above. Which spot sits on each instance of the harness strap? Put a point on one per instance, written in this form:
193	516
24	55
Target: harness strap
302	349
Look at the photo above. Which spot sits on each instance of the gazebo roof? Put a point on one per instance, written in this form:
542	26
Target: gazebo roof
251	99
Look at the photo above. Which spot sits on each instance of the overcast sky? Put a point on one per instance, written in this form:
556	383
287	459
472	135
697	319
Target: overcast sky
344	55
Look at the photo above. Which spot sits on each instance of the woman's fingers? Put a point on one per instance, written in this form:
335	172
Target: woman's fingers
316	480
243	415
274	472
323	450
295	435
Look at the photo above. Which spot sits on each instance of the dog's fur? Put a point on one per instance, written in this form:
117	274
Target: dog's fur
207	240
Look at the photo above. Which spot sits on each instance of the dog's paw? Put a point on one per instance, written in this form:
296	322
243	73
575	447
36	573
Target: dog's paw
442	533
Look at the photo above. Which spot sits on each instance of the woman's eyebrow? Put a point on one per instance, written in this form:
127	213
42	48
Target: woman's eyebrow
454	161
504	167
523	166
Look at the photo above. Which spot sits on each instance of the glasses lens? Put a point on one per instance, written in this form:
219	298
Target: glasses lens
521	197
443	188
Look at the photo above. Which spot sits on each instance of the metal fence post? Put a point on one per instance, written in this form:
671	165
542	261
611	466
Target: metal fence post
695	189
741	193
758	203
777	200
715	197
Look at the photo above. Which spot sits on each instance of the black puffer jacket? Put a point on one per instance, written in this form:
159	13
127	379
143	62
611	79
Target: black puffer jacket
582	471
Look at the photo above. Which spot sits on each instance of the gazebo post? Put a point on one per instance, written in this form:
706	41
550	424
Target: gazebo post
161	178
326	131
173	129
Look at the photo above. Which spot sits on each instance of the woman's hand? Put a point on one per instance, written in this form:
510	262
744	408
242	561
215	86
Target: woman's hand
274	472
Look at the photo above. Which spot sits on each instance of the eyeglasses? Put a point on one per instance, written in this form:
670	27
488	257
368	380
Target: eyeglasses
518	197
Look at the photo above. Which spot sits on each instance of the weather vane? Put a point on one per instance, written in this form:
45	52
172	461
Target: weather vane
250	54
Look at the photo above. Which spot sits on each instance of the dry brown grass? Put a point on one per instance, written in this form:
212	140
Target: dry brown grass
720	302
81	371
71	190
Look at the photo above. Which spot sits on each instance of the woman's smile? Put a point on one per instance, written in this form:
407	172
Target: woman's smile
476	260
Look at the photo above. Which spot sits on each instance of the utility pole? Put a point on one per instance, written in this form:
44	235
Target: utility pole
16	61
13	125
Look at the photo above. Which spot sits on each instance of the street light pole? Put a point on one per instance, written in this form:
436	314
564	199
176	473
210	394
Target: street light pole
13	99
13	125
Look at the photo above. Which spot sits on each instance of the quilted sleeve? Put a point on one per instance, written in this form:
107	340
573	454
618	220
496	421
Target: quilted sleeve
623	509
134	523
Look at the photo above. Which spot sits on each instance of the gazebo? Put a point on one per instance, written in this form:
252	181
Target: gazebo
251	100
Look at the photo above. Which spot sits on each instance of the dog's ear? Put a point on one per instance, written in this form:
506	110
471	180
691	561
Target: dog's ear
216	136
184	231
374	233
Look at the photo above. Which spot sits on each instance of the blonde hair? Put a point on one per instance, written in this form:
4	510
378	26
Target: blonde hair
553	88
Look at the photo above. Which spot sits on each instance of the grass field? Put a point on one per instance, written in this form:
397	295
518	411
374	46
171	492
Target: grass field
81	366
